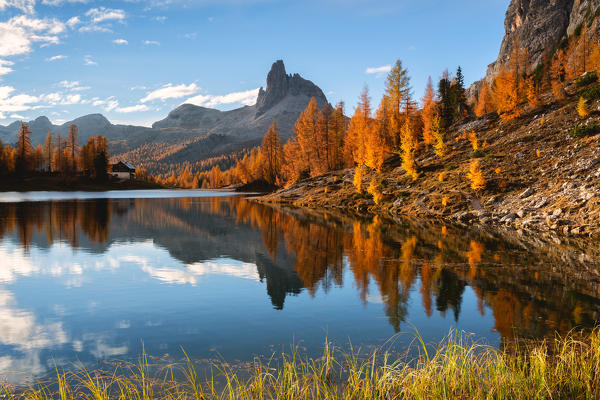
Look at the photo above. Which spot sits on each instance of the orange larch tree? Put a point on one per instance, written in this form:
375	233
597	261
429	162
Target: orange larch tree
337	126
272	154
428	113
361	125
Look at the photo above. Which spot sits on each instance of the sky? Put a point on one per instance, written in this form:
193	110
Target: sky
134	61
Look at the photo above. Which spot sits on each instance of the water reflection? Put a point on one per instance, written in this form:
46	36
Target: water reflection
92	270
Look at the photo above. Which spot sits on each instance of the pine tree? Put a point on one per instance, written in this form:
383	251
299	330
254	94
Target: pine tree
24	151
438	134
429	112
48	151
361	125
322	140
506	94
398	90
484	104
459	92
533	93
306	134
72	137
273	154
558	74
59	154
337	133
408	151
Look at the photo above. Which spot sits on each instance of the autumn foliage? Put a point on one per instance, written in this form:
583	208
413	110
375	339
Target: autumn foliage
56	155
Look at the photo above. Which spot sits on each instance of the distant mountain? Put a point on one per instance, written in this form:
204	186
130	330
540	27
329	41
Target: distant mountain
193	133
284	99
88	125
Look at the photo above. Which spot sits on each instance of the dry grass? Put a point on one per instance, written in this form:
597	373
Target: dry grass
457	368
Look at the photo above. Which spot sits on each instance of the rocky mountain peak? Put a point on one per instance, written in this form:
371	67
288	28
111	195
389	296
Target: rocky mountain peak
280	85
539	25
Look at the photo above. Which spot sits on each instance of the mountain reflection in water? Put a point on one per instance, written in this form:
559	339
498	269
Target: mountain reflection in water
78	279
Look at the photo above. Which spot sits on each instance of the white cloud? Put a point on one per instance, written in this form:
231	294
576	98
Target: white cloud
73	86
160	18
378	70
120	41
105	14
136	108
109	104
26	6
56	57
72	99
18	34
60	2
87	60
151	42
5	67
100	19
56	98
51	26
95	28
247	98
69	84
72	22
171	92
16	103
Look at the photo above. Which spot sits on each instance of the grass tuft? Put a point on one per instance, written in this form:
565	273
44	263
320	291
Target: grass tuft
456	368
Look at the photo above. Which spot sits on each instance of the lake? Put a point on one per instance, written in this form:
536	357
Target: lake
88	277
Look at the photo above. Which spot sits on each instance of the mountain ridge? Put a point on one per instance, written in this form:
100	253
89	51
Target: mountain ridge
194	133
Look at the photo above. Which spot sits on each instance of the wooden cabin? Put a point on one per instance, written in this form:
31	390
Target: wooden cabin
122	170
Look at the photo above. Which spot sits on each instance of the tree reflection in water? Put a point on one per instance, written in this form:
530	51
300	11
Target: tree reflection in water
532	286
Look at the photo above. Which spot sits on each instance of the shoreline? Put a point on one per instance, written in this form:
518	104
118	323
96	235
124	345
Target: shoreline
538	177
40	183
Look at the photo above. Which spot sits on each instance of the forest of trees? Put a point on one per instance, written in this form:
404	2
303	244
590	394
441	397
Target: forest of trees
57	156
326	140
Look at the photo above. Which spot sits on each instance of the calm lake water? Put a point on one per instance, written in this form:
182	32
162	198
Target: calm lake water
86	277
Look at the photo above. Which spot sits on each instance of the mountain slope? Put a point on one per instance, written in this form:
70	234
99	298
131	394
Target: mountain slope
191	133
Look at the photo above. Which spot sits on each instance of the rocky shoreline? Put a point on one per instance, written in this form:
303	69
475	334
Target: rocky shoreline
538	177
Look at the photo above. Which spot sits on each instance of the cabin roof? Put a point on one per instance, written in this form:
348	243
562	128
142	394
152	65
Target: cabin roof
124	164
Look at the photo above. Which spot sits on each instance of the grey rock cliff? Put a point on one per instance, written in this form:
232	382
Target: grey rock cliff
539	25
280	85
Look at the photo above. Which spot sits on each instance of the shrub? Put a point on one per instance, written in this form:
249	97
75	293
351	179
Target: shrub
585	130
582	108
476	176
477	154
474	141
592	93
587	79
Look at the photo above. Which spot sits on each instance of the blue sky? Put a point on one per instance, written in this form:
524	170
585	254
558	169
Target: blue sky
134	60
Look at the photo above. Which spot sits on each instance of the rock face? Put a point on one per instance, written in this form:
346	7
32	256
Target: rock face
280	85
284	99
539	25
